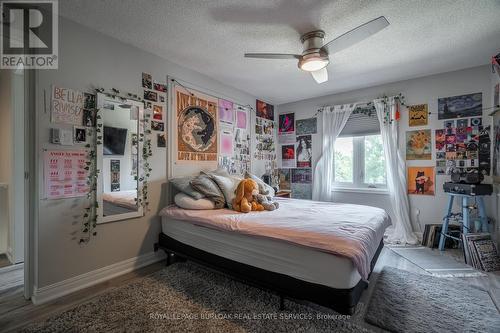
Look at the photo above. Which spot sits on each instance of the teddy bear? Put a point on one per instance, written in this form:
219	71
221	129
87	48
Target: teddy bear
244	201
267	202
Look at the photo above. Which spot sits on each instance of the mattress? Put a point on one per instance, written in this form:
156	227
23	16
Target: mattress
345	230
277	256
125	199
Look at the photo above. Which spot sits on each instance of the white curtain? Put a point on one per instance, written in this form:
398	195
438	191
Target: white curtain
334	120
401	232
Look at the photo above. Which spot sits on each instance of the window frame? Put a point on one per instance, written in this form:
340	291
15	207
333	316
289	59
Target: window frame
358	165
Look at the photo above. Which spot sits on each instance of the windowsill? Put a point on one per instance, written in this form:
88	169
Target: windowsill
365	190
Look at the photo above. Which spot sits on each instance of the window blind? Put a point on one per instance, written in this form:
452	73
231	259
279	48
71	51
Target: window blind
360	124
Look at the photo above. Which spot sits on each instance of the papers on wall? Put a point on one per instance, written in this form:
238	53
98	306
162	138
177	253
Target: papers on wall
241	119
288	156
284	179
306	126
226	142
301	183
303	151
64	173
286	128
66	106
264	134
226	111
418	115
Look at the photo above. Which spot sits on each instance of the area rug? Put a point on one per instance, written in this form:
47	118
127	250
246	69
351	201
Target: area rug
186	297
436	263
410	302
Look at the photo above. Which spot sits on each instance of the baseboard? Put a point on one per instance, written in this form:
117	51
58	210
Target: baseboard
9	255
56	290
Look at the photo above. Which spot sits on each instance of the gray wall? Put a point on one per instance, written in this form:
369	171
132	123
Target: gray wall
424	209
88	59
6	123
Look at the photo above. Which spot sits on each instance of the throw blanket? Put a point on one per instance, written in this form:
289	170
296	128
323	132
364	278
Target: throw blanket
352	231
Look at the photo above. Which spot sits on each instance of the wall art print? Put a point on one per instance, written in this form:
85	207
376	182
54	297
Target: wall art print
66	106
470	105
196	126
288	156
303	151
418	145
421	180
418	115
226	111
306	126
264	110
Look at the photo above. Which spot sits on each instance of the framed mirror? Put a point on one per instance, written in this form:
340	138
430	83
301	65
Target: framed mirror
119	158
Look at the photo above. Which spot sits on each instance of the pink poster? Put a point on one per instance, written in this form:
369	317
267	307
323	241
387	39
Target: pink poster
65	174
225	111
241	119
226	143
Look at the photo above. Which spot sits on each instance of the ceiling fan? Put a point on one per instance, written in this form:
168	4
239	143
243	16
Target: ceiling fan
314	58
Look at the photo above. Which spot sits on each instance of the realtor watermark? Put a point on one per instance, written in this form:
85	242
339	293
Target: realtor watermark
246	316
30	34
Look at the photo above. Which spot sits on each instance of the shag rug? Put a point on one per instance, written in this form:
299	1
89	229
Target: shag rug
186	297
410	302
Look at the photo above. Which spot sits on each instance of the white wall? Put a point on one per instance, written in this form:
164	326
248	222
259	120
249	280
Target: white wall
417	91
88	59
5	151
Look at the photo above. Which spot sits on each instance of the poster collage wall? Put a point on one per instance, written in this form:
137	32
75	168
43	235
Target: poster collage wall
265	148
155	105
295	138
211	129
462	145
65	175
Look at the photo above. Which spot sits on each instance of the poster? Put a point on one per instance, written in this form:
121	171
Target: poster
302	176
196	126
440	138
147	81
301	191
265	110
161	140
241	154
306	126
226	111
226	142
284	179
303	151
157	112
114	166
418	115
241	119
288	156
64	173
460	106
418	145
66	106
286	128
421	180
496	147
264	134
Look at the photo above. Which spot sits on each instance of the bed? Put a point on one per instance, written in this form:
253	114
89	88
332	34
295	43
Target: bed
119	202
315	251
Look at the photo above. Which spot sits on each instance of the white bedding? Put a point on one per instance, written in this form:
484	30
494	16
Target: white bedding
125	199
273	255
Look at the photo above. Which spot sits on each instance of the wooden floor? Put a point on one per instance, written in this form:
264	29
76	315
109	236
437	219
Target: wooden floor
14	309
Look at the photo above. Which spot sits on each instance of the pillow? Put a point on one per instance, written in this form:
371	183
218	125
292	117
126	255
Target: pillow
219	172
263	187
228	186
182	184
185	201
206	186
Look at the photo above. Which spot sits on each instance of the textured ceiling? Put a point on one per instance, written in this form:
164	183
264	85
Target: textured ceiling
210	36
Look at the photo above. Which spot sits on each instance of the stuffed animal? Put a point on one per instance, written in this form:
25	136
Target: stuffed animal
267	202
244	201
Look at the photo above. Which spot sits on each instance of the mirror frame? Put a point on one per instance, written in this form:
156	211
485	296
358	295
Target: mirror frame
101	98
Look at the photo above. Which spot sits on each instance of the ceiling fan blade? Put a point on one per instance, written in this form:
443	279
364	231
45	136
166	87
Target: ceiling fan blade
320	76
356	35
272	56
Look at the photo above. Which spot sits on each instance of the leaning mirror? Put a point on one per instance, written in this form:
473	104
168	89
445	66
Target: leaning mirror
118	158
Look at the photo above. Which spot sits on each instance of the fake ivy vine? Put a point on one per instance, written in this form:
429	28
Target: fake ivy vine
89	218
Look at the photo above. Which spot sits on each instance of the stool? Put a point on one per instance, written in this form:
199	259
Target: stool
465	215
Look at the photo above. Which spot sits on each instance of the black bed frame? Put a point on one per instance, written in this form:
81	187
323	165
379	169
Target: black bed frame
341	300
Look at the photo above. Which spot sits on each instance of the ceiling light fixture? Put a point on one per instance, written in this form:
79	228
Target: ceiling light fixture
313	62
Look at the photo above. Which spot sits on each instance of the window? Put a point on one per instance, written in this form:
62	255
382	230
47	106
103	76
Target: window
359	162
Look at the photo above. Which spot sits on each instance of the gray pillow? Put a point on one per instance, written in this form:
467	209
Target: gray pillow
206	186
185	201
218	172
228	186
263	187
183	184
